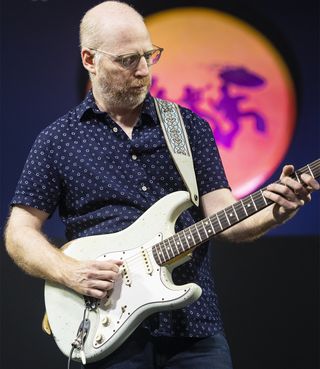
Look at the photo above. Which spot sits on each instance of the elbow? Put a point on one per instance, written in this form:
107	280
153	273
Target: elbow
9	236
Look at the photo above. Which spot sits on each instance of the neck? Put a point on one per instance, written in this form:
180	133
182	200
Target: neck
124	115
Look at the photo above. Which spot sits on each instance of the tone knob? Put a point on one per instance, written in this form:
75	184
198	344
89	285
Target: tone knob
105	320
99	338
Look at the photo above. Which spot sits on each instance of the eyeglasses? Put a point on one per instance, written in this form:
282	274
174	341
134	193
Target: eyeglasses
131	61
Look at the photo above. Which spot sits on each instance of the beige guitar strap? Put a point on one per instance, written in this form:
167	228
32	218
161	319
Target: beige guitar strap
178	144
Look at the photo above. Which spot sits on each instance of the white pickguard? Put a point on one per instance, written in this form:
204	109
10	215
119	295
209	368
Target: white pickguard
144	288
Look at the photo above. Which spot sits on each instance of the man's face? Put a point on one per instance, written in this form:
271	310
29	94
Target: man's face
119	86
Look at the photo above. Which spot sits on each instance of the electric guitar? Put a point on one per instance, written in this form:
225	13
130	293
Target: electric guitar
87	329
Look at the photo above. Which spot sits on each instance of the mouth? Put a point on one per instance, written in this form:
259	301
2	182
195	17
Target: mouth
139	87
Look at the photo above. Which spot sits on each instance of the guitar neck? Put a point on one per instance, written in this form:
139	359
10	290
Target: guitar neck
185	241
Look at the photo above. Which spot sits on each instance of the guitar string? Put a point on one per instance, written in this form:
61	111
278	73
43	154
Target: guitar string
136	258
214	221
315	165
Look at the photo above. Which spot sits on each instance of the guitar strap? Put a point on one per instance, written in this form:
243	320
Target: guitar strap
178	144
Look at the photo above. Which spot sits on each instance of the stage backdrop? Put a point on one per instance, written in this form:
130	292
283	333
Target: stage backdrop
269	288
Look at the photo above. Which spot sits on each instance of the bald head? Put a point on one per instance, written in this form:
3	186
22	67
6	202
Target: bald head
110	22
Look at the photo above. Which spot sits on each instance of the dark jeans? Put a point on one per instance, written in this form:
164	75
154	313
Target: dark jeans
142	351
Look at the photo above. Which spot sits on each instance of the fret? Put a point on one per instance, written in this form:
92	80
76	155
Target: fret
175	244
315	168
216	223
212	226
226	217
159	253
188	238
297	177
248	206
223	219
264	199
204	227
164	249
235	212
195	234
210	230
201	231
218	218
258	200
231	215
298	174
181	242
310	171
254	204
170	249
155	253
244	208
240	210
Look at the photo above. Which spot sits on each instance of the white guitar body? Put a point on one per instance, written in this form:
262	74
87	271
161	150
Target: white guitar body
145	287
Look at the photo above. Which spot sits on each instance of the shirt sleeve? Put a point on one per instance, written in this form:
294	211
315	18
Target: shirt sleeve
39	183
208	166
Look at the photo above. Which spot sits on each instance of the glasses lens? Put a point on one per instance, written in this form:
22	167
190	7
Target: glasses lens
130	61
153	56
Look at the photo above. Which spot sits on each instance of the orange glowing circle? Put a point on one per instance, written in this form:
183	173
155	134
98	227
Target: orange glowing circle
231	75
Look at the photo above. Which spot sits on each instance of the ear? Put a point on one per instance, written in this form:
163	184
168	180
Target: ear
87	57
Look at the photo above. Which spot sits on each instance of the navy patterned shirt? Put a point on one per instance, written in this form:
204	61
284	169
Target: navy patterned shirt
102	181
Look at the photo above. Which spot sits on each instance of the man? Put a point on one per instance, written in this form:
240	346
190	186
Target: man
104	164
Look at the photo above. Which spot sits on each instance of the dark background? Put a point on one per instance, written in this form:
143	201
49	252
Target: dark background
269	290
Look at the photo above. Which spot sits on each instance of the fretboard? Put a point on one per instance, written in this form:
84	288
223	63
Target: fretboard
185	241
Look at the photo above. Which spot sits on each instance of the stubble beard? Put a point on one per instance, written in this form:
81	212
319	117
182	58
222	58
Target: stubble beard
127	96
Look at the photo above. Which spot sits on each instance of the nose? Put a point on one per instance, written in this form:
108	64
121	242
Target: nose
142	69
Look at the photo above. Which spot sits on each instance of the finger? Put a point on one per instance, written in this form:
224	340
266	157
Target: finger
97	288
287	170
296	188
283	201
113	265
103	275
98	294
281	190
312	183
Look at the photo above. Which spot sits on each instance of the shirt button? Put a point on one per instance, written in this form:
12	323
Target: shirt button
134	157
115	129
144	188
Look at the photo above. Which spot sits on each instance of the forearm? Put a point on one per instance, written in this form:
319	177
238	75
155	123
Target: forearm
254	227
33	253
31	250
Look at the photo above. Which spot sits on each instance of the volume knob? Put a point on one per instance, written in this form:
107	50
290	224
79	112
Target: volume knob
99	338
105	320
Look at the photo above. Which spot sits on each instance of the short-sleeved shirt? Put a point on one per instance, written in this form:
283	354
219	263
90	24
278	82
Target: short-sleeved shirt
102	181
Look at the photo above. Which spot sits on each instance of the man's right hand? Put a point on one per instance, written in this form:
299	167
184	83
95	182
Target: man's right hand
92	278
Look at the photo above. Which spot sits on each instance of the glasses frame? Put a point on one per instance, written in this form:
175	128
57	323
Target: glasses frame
119	58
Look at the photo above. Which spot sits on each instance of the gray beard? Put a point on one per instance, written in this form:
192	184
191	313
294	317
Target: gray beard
124	98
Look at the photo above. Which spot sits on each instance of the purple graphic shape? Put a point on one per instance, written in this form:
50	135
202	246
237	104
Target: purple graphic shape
226	105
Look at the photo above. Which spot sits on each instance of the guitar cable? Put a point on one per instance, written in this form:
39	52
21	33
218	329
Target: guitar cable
79	341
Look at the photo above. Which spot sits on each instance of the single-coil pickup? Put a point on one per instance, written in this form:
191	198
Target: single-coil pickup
146	261
125	274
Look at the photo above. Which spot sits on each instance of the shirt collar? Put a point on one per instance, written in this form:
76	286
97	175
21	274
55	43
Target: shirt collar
88	107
